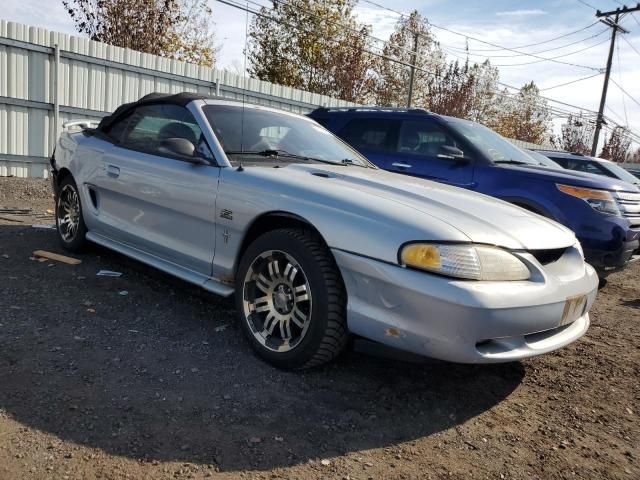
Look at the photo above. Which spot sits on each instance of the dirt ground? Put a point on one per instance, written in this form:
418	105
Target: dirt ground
147	377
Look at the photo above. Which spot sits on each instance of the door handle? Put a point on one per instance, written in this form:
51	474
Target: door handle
401	165
113	171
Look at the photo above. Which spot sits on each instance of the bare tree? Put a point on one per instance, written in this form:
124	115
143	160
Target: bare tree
393	71
616	146
525	116
179	29
193	38
576	135
315	45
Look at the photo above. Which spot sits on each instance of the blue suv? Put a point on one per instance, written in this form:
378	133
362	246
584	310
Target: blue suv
603	212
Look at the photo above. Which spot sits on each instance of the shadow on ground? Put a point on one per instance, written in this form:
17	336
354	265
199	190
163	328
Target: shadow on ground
162	372
631	303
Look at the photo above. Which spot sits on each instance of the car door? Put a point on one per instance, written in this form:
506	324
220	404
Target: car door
419	152
154	200
372	137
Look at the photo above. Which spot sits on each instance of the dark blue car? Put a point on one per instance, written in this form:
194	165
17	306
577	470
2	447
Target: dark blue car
603	212
583	163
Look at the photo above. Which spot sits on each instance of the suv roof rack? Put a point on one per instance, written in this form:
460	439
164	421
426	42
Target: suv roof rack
371	109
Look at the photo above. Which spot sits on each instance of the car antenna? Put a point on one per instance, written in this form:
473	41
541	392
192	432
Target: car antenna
240	168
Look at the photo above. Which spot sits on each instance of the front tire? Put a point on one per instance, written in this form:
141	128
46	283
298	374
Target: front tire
69	221
291	300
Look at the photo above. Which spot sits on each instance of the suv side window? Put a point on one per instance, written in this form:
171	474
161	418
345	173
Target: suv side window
562	161
423	137
149	125
368	133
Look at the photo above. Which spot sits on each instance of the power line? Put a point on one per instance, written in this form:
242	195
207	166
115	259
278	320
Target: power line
500	47
538	43
588	5
532	53
571	82
553	58
624	104
625	92
631	45
632	14
512	49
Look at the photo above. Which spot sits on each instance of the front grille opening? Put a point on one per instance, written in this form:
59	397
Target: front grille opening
545	257
94	198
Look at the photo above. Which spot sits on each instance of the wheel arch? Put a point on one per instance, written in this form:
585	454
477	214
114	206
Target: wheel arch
531	206
274	220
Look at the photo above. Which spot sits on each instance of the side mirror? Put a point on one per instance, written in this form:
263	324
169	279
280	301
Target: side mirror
182	148
451	153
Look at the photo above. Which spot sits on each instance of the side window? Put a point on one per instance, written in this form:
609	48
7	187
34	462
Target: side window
595	167
117	129
421	137
562	161
368	134
149	125
588	167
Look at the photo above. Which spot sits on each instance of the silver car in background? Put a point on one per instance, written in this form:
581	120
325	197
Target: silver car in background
316	242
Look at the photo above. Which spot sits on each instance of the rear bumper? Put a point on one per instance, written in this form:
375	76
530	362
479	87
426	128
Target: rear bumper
463	321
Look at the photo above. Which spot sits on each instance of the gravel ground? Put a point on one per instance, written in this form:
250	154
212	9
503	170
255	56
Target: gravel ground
145	376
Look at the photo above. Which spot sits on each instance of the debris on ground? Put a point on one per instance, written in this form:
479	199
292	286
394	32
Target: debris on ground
43	254
108	273
9	219
43	226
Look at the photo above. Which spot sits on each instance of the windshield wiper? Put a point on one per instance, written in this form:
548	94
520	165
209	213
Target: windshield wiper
513	162
284	154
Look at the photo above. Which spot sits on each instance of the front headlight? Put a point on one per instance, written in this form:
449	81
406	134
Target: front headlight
473	262
600	200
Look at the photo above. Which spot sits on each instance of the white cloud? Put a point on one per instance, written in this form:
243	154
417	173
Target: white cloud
521	13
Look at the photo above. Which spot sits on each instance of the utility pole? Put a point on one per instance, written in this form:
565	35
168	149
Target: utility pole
615	28
412	71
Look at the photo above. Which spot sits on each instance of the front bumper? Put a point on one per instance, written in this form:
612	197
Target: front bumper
610	260
609	242
466	321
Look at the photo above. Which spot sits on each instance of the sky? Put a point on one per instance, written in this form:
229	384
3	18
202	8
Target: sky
510	24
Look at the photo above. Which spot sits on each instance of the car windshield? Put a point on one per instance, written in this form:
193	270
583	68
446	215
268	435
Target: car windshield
619	172
251	134
495	147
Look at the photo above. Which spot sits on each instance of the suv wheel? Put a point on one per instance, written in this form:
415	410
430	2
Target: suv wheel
291	300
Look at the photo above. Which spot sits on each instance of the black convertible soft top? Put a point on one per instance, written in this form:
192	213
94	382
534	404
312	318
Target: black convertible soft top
181	99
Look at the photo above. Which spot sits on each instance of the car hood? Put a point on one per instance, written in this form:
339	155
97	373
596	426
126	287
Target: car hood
572	177
480	218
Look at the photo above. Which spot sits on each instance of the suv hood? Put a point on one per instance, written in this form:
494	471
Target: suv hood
571	177
480	218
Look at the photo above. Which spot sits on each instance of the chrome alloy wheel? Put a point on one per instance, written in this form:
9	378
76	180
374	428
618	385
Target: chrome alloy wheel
68	213
277	300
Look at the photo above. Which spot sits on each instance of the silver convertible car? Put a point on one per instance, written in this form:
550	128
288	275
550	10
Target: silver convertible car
316	243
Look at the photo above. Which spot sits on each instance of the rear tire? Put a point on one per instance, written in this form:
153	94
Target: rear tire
291	300
72	230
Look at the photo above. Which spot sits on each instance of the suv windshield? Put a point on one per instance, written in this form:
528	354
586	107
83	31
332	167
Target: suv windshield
495	147
256	135
619	172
